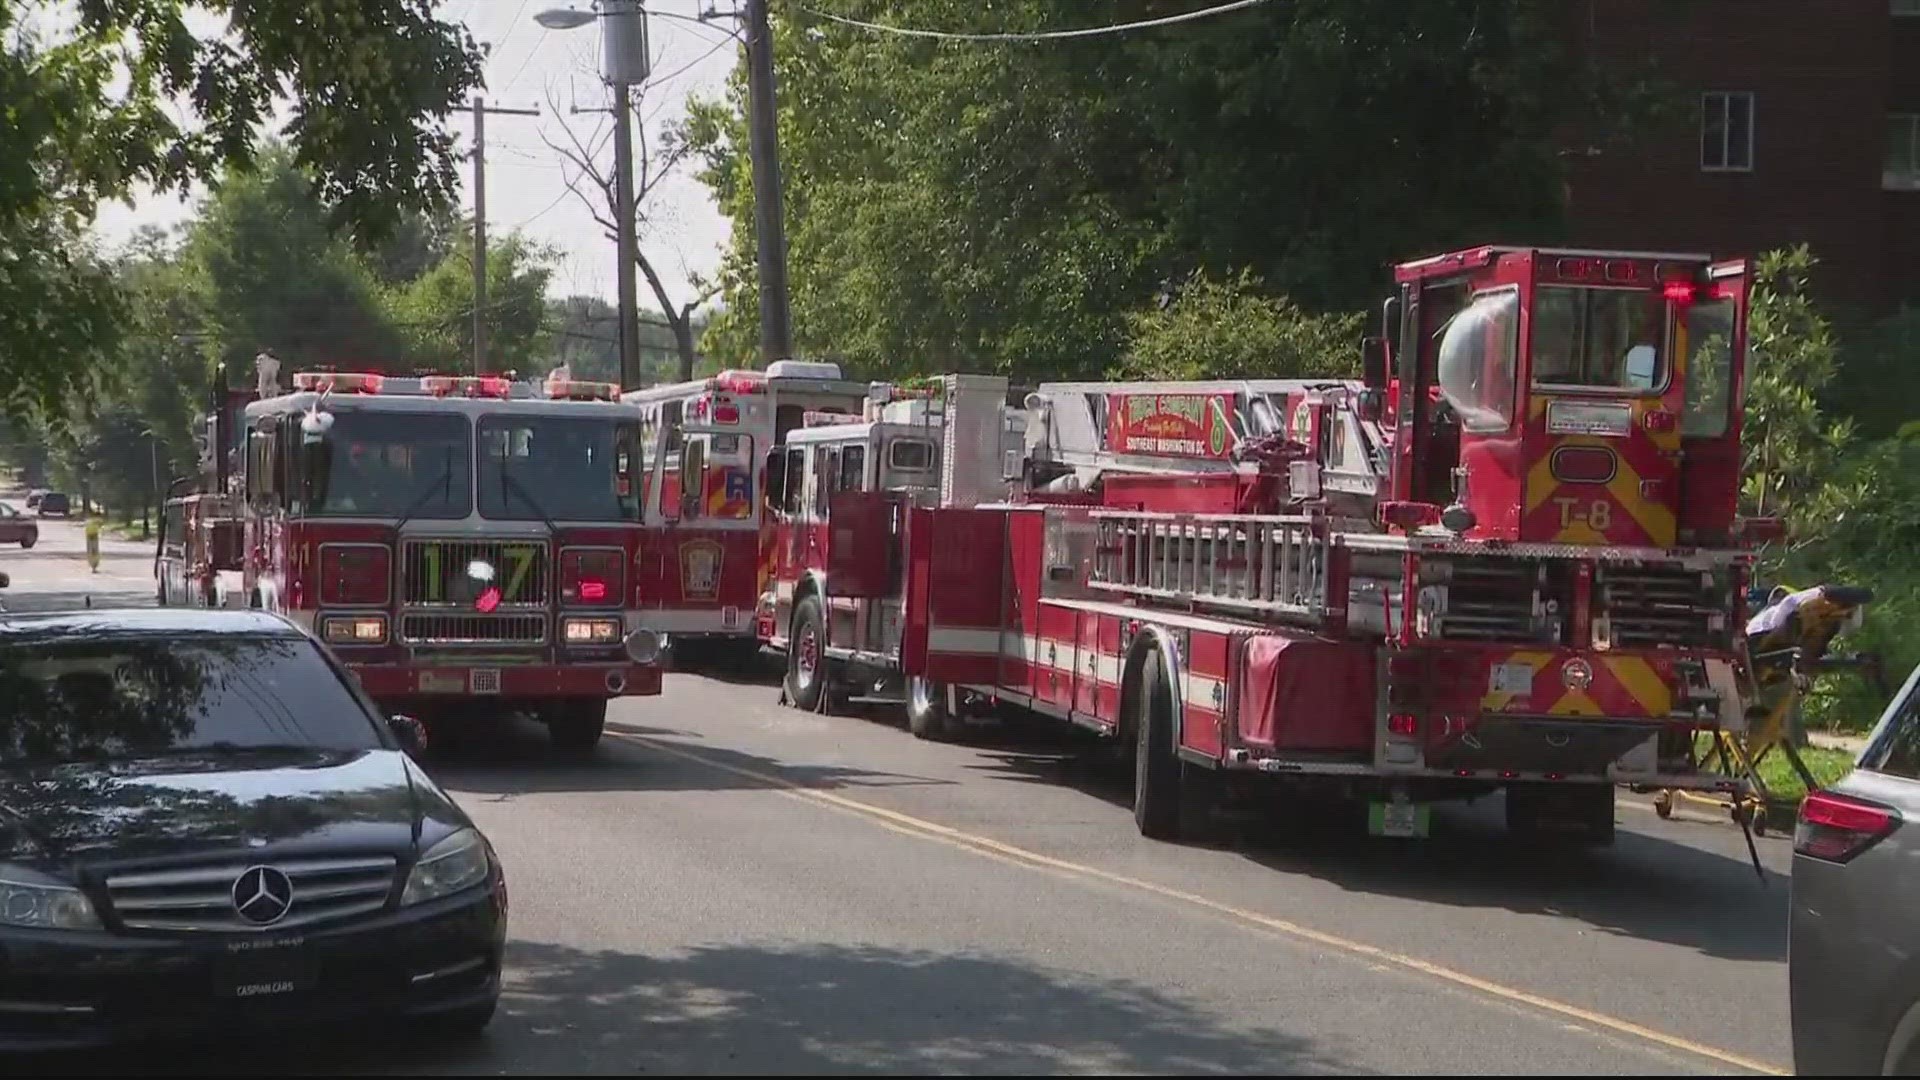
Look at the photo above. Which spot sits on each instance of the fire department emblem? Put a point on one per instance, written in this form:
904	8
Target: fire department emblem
700	562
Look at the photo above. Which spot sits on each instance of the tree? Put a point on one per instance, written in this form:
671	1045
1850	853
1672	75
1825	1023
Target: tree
1005	205
434	312
596	186
273	275
1227	329
87	119
1790	444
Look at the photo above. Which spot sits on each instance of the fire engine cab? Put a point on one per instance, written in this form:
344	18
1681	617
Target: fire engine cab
456	541
705	446
1506	558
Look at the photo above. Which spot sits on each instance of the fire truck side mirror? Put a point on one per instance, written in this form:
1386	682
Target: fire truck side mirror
1375	362
776	474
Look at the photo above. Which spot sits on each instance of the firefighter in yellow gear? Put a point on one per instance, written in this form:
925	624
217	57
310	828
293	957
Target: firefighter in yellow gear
93	544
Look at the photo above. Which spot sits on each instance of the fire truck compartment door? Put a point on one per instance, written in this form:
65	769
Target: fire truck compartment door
956	588
863	544
1305	693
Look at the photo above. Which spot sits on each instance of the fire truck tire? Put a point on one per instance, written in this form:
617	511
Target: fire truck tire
807	672
927	714
28	541
577	723
1580	814
1157	802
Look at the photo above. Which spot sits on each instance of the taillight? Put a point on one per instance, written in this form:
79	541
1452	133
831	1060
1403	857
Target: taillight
1835	828
591	576
1404	724
354	574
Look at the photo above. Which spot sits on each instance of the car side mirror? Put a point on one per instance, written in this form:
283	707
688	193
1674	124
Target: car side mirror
411	734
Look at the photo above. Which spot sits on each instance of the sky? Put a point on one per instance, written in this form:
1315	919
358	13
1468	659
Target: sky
529	66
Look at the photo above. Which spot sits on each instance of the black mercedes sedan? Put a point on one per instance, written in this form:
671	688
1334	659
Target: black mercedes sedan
204	824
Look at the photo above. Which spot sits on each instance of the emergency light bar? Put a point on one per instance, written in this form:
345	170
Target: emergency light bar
340	382
829	419
492	386
737	381
581	390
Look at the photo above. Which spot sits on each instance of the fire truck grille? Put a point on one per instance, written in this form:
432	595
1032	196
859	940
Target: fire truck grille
1650	606
436	573
445	628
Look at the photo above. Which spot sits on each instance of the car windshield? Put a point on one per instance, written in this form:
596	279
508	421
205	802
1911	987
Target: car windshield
389	464
567	468
100	700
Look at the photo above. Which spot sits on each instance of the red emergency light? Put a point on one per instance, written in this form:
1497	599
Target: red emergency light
1680	292
492	386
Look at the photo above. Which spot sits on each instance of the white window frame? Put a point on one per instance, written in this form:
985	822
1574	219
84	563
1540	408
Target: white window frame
1907	179
1722	99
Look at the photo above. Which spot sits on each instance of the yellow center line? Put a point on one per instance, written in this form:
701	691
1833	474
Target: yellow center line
932	830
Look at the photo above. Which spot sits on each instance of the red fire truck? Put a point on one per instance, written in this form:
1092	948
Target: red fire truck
1507	558
704	452
196	560
456	540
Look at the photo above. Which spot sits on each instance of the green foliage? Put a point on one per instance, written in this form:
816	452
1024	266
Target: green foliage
90	113
434	312
1228	329
958	205
1790	445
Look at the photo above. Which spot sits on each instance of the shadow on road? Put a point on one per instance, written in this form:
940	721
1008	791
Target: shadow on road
745	1009
1645	886
514	757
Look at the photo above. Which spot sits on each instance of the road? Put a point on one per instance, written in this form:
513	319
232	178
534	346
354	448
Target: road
733	886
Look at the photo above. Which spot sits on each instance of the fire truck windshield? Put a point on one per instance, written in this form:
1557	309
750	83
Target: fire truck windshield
388	464
577	468
1603	339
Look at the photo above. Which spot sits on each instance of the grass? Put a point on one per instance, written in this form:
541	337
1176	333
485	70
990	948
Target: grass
1827	765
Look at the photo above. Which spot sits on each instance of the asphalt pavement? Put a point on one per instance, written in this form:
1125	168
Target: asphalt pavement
728	885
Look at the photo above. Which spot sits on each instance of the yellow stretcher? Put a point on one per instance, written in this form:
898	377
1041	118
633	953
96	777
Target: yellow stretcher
1782	664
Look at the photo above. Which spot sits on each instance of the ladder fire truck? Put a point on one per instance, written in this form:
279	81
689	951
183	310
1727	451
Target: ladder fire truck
457	541
1506	558
705	446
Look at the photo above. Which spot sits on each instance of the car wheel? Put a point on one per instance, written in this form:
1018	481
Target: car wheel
577	723
456	1025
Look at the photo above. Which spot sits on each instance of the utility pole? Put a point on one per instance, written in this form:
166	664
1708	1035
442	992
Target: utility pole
769	225
624	64
480	111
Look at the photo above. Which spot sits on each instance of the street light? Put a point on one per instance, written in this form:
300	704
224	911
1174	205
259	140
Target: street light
623	62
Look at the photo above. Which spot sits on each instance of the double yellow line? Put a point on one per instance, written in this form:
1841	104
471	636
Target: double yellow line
995	849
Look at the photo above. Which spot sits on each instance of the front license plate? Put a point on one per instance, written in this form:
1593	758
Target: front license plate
1511	679
264	975
442	682
1398	819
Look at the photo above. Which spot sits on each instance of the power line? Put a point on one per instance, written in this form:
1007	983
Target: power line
1050	35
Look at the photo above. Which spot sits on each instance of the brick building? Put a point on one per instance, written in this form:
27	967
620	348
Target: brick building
1799	121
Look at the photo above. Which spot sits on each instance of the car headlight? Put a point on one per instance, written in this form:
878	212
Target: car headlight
31	899
458	862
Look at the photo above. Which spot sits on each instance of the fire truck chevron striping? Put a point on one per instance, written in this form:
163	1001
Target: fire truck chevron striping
455	537
1506	558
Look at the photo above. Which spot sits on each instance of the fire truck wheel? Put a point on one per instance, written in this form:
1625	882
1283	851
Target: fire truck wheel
576	724
1577	813
28	541
806	656
1156	769
927	714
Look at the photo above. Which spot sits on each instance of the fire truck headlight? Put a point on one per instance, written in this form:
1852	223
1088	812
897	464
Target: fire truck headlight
591	631
643	646
355	630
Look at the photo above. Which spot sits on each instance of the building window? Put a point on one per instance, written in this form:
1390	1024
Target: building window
1726	131
1902	172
